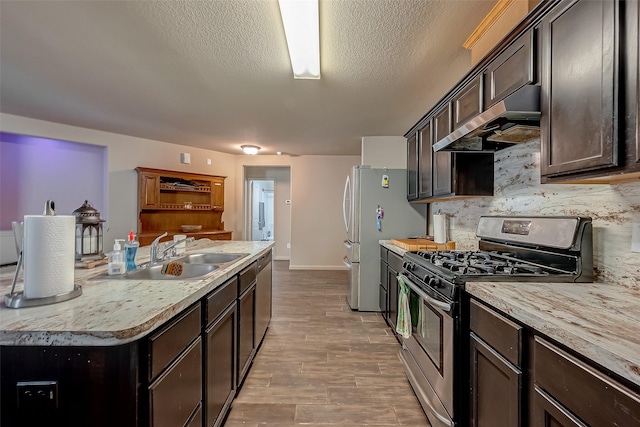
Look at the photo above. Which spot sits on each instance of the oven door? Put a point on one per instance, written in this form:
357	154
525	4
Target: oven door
428	353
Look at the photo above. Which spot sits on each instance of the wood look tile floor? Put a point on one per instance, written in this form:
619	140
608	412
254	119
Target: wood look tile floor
322	363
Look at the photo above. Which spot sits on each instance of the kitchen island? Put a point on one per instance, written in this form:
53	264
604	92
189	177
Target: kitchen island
136	352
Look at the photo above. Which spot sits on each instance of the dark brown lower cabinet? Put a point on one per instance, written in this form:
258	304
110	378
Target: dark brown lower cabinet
549	413
496	388
263	297
221	365
246	331
569	392
177	394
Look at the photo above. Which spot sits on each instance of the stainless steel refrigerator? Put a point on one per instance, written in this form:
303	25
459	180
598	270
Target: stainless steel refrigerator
375	208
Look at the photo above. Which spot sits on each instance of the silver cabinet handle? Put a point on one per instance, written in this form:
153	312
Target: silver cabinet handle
347	244
434	302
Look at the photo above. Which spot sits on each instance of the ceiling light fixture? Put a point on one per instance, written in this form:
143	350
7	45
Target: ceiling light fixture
250	149
300	19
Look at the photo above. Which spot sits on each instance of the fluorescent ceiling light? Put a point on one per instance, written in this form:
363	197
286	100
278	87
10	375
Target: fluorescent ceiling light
250	149
302	30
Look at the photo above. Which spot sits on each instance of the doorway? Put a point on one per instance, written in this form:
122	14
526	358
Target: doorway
261	209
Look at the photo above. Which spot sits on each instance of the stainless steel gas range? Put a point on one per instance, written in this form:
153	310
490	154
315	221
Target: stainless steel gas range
528	249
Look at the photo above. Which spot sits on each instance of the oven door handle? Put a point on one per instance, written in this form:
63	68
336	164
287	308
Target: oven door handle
444	306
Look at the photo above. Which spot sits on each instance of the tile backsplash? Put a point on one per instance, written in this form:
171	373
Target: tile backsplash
518	191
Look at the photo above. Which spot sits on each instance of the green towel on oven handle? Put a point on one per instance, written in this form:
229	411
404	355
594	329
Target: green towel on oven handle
403	324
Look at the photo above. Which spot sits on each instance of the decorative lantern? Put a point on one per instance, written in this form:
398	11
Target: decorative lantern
89	236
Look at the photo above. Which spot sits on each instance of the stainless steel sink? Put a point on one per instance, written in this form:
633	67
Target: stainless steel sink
154	272
210	258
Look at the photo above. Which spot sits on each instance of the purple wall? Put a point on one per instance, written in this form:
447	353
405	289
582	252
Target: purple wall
33	170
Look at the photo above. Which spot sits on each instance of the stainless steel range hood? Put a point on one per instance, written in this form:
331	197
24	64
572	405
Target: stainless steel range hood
515	119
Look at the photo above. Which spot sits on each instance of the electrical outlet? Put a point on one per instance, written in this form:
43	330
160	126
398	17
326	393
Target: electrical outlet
288	245
37	394
635	237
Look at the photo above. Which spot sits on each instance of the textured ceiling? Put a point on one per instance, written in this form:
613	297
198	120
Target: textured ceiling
216	74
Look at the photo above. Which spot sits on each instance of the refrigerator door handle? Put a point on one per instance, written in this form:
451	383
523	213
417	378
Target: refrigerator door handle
344	203
347	244
347	263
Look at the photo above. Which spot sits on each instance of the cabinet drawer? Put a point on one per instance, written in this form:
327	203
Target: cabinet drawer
497	331
220	299
175	395
595	398
247	277
395	262
166	345
468	103
383	253
263	261
219	236
510	70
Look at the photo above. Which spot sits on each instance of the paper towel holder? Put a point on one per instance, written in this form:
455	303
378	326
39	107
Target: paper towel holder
17	299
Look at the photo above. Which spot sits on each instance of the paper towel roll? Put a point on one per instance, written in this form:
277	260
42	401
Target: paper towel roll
440	228
48	255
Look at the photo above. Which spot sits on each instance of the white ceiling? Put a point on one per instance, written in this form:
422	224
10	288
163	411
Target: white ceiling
216	74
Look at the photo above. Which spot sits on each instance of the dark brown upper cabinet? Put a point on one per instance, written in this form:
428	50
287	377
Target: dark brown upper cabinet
412	167
579	87
425	179
510	70
442	159
468	102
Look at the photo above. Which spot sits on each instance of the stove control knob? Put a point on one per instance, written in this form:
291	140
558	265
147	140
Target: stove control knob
434	282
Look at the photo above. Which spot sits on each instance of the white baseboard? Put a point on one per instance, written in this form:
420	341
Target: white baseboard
7	247
317	267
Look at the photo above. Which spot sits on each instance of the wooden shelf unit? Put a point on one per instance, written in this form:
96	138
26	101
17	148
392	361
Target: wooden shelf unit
169	199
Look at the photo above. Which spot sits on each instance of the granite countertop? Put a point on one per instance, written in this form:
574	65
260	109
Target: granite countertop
397	249
115	311
597	320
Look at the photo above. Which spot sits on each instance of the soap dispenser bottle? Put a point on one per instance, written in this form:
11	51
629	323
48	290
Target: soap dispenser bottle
130	249
116	259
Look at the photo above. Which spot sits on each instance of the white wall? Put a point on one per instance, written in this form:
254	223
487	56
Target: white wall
317	184
125	153
384	152
317	187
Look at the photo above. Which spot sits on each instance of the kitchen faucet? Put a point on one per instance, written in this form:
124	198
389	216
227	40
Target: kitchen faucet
157	254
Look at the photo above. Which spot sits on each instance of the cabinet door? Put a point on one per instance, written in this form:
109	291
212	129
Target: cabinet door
149	190
221	366
579	87
217	190
246	330
176	394
393	298
384	291
441	159
468	102
510	70
495	388
263	300
425	189
547	412
412	167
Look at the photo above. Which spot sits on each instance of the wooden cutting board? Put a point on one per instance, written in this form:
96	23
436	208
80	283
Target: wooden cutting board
414	245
